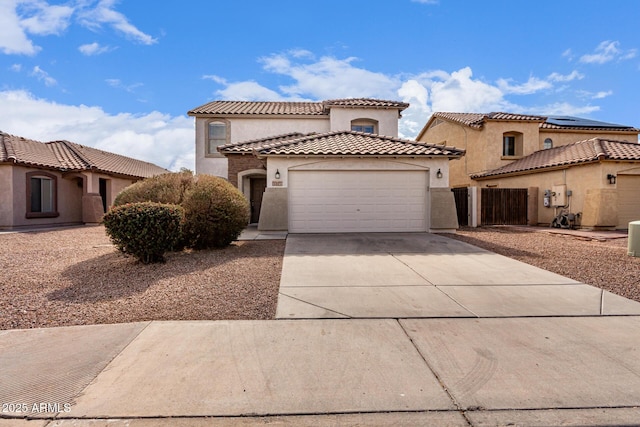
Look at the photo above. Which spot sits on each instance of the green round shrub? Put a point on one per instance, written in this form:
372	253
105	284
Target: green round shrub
168	188
216	212
145	230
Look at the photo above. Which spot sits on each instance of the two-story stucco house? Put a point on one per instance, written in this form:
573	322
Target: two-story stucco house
554	160
60	182
331	166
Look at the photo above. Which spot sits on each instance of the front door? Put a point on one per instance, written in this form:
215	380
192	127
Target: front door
257	187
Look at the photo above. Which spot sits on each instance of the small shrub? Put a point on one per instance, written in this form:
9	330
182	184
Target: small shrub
168	188
215	213
145	230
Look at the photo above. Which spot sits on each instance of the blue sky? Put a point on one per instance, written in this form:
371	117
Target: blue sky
121	75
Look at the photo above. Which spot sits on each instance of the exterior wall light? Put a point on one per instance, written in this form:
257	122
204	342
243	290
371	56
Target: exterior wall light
277	175
611	178
439	174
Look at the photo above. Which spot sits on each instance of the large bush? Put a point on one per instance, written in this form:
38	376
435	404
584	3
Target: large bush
168	188
215	213
145	230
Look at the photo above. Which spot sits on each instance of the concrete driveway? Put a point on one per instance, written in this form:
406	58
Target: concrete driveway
422	275
455	336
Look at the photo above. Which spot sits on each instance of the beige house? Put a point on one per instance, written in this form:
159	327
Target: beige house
326	166
501	146
61	183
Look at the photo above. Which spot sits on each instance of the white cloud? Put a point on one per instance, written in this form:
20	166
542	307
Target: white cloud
44	19
43	76
117	84
16	67
21	18
435	90
154	137
532	85
557	77
329	77
249	91
602	94
608	51
91	49
13	38
105	14
563	109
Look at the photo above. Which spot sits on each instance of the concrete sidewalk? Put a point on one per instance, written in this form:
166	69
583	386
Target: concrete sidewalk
481	343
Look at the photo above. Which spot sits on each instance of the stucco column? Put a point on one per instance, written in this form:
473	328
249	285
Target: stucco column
274	212
92	210
444	218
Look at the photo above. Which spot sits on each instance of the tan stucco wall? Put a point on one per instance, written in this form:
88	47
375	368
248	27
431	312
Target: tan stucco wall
387	119
6	191
564	138
245	129
69	200
484	147
588	184
274	213
72	203
459	136
284	164
443	211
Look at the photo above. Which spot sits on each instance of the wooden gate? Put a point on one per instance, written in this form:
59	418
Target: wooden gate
461	196
504	206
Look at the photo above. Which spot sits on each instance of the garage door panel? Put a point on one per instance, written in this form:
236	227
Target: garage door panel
343	201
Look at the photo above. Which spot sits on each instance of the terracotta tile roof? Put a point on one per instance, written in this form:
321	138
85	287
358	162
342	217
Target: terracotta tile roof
477	120
590	150
259	107
65	155
366	102
272	108
249	146
349	143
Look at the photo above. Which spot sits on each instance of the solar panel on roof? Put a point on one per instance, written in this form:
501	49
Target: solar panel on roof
579	122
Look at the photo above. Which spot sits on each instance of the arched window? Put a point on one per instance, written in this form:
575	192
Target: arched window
364	125
42	194
217	135
548	143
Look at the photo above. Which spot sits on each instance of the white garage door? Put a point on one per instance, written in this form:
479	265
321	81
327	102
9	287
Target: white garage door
628	199
357	201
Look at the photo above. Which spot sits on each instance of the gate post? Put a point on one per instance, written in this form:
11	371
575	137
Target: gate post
532	206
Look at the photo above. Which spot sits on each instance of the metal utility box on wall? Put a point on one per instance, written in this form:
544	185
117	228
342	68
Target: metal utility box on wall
558	195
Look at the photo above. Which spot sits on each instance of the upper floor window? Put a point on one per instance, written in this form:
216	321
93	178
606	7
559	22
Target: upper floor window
217	134
41	195
548	143
512	144
364	125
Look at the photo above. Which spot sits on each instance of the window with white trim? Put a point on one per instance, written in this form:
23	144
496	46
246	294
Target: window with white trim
217	135
548	143
364	125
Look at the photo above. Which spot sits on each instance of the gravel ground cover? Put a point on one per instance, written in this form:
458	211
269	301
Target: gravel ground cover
604	264
76	277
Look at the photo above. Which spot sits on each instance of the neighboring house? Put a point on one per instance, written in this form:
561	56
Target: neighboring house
327	166
598	178
497	140
60	183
